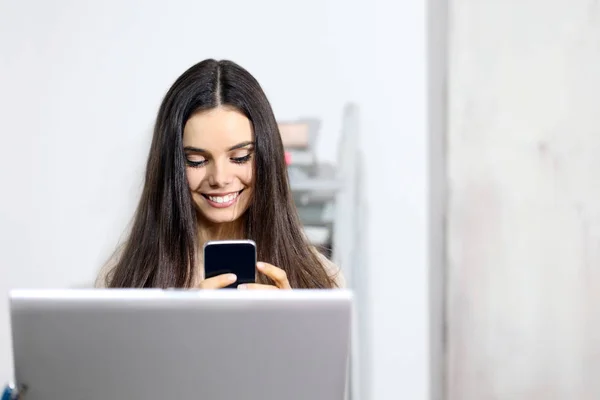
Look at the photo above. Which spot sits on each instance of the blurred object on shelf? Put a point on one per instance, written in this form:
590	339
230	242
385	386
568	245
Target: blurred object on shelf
298	135
314	185
301	158
317	235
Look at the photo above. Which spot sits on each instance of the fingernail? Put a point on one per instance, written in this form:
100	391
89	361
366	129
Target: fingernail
231	278
242	287
260	265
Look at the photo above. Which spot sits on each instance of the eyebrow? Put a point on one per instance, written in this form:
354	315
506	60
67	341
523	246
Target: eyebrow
237	146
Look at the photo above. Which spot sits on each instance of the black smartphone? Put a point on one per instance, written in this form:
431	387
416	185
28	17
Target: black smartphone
231	256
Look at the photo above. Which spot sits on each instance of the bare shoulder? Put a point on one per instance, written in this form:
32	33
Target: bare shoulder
101	278
333	270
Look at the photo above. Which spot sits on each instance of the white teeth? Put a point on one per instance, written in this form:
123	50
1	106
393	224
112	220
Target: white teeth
223	199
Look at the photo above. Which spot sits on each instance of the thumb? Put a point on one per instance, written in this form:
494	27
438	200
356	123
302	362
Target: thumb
218	282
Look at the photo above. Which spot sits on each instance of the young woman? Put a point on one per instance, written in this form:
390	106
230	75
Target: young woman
216	171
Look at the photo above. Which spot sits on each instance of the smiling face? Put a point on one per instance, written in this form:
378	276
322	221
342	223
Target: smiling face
219	151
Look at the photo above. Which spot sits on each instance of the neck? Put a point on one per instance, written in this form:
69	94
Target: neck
225	231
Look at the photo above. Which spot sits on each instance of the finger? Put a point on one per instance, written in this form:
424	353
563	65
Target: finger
276	274
256	286
218	282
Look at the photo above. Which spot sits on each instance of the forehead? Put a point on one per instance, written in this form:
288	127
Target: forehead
218	128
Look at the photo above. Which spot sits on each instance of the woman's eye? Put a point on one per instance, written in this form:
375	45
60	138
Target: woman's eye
195	160
242	159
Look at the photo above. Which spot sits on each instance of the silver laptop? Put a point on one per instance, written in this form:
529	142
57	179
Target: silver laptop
171	344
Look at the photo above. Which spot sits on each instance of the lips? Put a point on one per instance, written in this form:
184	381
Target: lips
222	200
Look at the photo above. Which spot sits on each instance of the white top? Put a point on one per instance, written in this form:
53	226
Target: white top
332	269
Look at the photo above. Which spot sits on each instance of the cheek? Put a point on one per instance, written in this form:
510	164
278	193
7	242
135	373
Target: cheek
247	176
194	177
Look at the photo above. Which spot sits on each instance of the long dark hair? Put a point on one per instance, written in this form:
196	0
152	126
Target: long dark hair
162	246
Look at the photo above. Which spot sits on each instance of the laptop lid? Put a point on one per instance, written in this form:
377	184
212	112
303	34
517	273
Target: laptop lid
171	344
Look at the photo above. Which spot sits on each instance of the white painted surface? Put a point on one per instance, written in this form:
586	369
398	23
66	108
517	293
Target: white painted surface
396	182
524	314
80	85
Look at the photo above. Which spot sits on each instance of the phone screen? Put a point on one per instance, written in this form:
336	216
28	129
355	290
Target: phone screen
234	257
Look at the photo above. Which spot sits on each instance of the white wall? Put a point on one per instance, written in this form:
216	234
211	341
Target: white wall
81	82
397	177
524	231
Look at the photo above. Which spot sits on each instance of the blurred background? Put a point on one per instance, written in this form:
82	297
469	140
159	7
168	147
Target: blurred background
444	153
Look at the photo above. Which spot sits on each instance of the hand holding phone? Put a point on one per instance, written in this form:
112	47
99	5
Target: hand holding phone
276	274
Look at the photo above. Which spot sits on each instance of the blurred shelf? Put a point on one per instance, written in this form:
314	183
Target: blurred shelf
301	159
316	185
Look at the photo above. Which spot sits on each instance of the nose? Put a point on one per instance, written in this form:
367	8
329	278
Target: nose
219	175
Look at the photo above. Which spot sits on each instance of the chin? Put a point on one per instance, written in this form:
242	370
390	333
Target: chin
219	218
